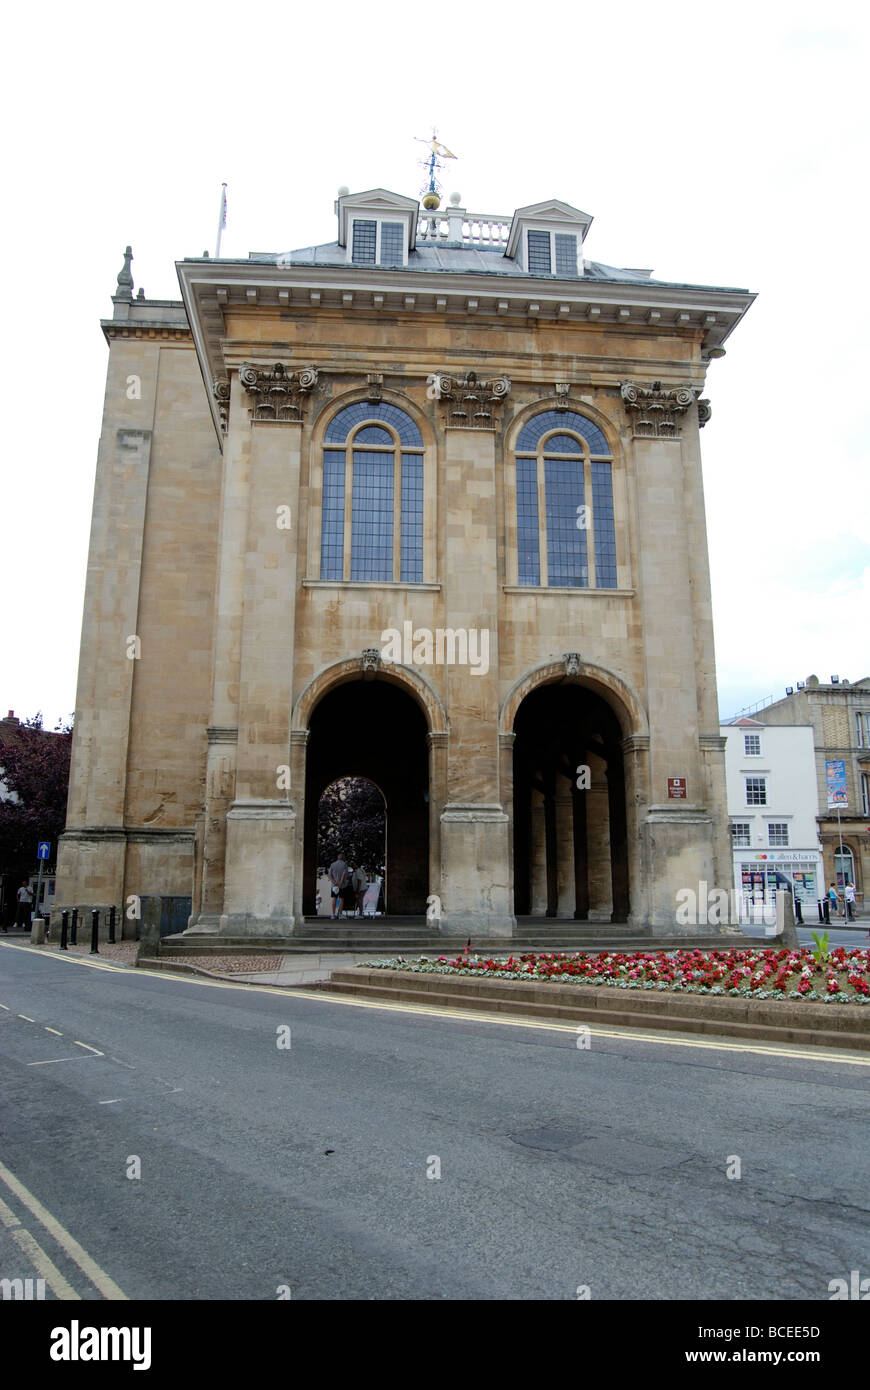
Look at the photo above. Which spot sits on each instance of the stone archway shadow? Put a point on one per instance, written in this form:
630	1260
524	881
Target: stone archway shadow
369	667
616	692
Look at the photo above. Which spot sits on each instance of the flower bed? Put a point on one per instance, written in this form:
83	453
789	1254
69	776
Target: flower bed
842	978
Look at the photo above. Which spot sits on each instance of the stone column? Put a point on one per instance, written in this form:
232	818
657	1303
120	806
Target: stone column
229	607
635	752
679	832
551	846
565	849
91	853
262	822
537	857
298	763
437	744
618	844
506	792
475	868
581	858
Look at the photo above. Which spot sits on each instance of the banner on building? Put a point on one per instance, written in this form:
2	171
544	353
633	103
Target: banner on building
835	775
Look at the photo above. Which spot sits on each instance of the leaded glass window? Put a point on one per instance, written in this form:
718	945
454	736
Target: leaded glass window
539	253
365	237
546	248
332	538
564	471
372	496
392	242
566	254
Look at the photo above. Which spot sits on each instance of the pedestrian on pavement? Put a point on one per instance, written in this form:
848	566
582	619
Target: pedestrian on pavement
338	872
849	895
833	898
25	902
360	881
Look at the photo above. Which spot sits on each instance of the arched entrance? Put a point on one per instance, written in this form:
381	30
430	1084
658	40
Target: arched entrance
377	731
352	825
570	837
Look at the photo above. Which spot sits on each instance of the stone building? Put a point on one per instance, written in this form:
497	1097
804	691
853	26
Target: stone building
422	505
839	713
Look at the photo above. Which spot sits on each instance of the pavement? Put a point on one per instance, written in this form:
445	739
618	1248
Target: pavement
294	970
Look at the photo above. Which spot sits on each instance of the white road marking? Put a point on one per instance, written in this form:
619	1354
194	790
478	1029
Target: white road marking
98	1276
110	1102
47	1061
56	1032
27	1018
90	1049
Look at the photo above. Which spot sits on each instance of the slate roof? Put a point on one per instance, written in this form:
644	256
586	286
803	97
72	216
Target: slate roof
457	258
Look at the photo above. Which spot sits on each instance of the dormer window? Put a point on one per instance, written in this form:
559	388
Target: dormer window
546	249
377	243
546	239
377	227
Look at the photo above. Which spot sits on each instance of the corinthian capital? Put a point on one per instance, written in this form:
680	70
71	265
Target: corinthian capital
468	402
656	411
276	393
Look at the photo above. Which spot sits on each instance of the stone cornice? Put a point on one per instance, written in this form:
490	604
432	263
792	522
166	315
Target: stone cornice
210	289
142	329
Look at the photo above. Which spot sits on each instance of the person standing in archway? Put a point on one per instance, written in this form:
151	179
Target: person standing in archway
360	881
338	873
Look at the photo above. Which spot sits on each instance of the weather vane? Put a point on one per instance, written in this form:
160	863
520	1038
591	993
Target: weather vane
437	152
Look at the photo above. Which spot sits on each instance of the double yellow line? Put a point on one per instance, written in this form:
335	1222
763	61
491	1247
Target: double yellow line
45	1267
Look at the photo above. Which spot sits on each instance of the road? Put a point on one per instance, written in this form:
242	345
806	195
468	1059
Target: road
304	1168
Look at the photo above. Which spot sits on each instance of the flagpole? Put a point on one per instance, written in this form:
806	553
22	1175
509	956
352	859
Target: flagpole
222	220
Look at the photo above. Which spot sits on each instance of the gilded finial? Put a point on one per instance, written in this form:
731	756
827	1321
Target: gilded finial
431	194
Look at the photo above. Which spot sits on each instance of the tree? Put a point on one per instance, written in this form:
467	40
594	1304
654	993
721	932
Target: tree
351	821
34	764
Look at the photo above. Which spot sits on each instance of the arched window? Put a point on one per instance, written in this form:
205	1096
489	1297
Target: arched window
844	864
565	528
372	495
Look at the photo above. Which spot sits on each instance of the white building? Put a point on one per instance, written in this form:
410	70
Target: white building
770	778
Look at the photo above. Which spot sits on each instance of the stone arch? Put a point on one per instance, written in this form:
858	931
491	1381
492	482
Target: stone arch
608	427
623	700
359	395
370	668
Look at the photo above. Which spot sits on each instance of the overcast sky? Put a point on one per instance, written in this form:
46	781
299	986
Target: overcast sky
721	145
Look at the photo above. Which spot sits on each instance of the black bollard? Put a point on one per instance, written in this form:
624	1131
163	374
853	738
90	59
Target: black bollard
821	911
95	931
798	913
64	928
827	907
112	925
74	926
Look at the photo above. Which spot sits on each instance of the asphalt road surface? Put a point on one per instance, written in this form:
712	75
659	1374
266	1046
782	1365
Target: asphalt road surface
159	1139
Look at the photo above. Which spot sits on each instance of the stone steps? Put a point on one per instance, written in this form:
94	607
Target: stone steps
421	943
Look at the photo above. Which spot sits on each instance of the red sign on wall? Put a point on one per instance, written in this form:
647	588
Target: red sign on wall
676	789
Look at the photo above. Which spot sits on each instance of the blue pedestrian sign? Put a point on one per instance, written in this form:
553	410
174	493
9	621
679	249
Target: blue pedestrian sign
44	850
